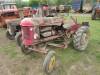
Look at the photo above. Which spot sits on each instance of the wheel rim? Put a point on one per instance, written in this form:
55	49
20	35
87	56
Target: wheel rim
51	63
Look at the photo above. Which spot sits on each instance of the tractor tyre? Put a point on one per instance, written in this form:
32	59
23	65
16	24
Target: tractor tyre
25	50
49	62
18	38
93	15
9	36
81	38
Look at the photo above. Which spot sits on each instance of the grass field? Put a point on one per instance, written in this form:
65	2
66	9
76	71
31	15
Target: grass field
72	62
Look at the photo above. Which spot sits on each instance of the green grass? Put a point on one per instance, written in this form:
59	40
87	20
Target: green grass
68	57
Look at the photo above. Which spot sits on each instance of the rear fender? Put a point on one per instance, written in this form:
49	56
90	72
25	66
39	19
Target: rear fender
74	28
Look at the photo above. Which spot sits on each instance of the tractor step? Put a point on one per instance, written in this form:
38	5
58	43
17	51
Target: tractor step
39	50
50	38
46	39
58	45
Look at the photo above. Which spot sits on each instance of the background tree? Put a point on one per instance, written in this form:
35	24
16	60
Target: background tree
52	2
33	2
22	3
18	3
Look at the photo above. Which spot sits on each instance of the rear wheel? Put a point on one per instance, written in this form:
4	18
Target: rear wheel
9	36
81	38
49	62
18	38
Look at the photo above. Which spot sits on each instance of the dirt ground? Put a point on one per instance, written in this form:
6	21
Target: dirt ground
14	62
20	64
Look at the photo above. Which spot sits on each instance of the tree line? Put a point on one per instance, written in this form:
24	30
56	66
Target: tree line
22	3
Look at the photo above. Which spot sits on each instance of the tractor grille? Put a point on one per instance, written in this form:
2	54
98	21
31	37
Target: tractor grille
26	32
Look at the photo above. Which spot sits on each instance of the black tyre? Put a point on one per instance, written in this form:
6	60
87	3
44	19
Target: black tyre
93	15
25	50
49	62
18	38
9	36
81	38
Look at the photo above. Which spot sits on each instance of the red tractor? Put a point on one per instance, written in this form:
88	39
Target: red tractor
13	25
96	11
8	11
39	33
28	11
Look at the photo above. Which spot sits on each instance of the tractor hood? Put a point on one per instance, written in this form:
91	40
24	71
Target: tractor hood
42	21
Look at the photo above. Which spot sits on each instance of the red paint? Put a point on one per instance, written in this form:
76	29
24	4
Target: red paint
45	7
26	22
27	35
74	28
27	31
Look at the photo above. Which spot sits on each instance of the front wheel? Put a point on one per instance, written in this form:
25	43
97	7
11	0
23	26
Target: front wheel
25	50
49	62
81	38
18	38
9	36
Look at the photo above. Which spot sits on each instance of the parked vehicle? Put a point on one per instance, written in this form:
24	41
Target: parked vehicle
13	25
27	11
39	33
83	5
8	11
96	11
